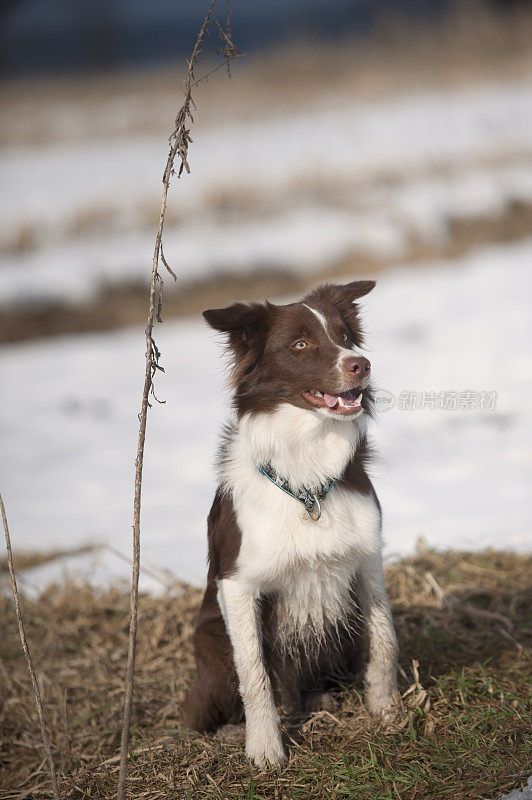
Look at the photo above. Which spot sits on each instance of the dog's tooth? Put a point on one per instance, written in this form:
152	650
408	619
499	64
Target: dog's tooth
318	394
359	398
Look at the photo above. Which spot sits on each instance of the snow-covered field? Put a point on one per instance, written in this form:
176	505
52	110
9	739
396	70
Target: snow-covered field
296	191
341	176
458	478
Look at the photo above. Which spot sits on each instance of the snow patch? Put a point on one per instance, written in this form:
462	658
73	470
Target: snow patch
68	425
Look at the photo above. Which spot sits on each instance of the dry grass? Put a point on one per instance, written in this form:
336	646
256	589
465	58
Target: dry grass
36	558
464	731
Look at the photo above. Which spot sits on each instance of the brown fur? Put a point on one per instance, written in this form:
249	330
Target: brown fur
214	699
266	371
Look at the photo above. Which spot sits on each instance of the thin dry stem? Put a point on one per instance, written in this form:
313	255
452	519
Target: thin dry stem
26	649
179	142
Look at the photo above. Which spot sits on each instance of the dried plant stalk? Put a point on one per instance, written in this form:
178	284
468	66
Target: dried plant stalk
179	142
26	649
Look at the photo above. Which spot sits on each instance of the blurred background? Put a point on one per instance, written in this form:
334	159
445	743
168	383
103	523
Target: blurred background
356	138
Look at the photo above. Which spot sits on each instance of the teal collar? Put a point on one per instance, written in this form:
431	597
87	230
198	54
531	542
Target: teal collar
311	499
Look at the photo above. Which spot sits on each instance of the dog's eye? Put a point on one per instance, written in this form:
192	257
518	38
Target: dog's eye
345	336
300	345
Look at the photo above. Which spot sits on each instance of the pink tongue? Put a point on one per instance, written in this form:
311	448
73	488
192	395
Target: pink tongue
331	399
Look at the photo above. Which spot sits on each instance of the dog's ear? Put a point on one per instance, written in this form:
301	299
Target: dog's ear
356	289
247	327
341	295
245	319
346	302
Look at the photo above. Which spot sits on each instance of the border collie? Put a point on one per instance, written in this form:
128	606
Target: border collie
295	566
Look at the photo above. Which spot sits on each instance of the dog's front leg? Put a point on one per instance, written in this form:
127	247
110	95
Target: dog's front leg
381	671
263	735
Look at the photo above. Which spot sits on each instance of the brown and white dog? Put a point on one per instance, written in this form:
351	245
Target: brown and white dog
295	566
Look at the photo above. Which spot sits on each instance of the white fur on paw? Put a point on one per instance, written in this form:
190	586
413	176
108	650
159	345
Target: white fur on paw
382	702
265	748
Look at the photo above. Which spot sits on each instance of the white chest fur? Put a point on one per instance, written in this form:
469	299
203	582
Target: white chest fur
308	565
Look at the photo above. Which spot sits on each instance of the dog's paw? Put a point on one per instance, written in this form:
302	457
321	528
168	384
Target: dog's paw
265	748
382	702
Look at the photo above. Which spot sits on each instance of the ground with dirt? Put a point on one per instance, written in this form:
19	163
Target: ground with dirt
464	627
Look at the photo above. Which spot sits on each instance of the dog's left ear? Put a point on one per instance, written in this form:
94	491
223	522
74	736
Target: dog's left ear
346	302
341	295
357	289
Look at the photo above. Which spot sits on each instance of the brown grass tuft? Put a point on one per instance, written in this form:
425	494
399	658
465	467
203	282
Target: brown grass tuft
465	617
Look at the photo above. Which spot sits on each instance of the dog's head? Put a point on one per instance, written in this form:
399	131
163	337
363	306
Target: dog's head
304	353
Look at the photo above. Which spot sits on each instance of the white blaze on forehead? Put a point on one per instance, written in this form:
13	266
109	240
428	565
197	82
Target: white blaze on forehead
323	321
344	352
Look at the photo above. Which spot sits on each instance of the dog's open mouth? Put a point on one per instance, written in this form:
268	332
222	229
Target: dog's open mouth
347	403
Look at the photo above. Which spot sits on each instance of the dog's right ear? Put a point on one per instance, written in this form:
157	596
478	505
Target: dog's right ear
247	327
244	320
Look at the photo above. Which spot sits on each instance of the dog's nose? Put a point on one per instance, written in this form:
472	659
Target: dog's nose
359	366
